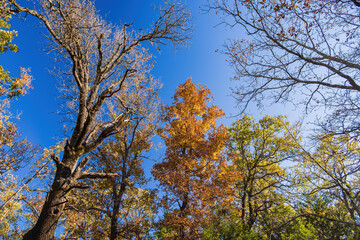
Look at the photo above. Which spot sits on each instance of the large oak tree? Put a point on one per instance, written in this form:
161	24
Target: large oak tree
100	59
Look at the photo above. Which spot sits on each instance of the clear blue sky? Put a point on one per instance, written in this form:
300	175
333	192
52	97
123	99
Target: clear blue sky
200	60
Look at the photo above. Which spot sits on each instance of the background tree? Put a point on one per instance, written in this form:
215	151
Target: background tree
324	216
306	50
101	59
328	178
259	151
12	148
11	212
301	51
191	171
94	219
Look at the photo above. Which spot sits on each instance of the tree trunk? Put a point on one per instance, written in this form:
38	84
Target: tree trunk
53	207
114	222
116	209
183	214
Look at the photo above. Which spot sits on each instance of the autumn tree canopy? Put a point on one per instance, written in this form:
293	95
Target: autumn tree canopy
258	178
192	169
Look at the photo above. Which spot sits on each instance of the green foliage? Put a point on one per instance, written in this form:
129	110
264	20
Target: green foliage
257	150
326	217
227	226
328	180
301	229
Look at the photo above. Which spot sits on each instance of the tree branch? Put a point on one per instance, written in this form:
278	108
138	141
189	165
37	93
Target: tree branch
94	175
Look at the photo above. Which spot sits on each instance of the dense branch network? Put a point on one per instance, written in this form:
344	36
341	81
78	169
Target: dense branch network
300	51
104	64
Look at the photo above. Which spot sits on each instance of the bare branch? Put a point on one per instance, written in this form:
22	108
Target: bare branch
94	175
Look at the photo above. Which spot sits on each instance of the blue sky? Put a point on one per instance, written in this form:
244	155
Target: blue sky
200	60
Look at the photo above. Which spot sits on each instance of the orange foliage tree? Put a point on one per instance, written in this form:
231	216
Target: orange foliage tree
192	171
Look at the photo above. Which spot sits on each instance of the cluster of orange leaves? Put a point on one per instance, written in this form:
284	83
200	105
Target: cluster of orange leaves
194	169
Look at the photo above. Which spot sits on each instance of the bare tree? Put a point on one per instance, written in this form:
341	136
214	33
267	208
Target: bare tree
296	50
102	59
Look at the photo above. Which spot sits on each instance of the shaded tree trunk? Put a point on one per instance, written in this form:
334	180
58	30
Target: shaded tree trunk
53	207
116	209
